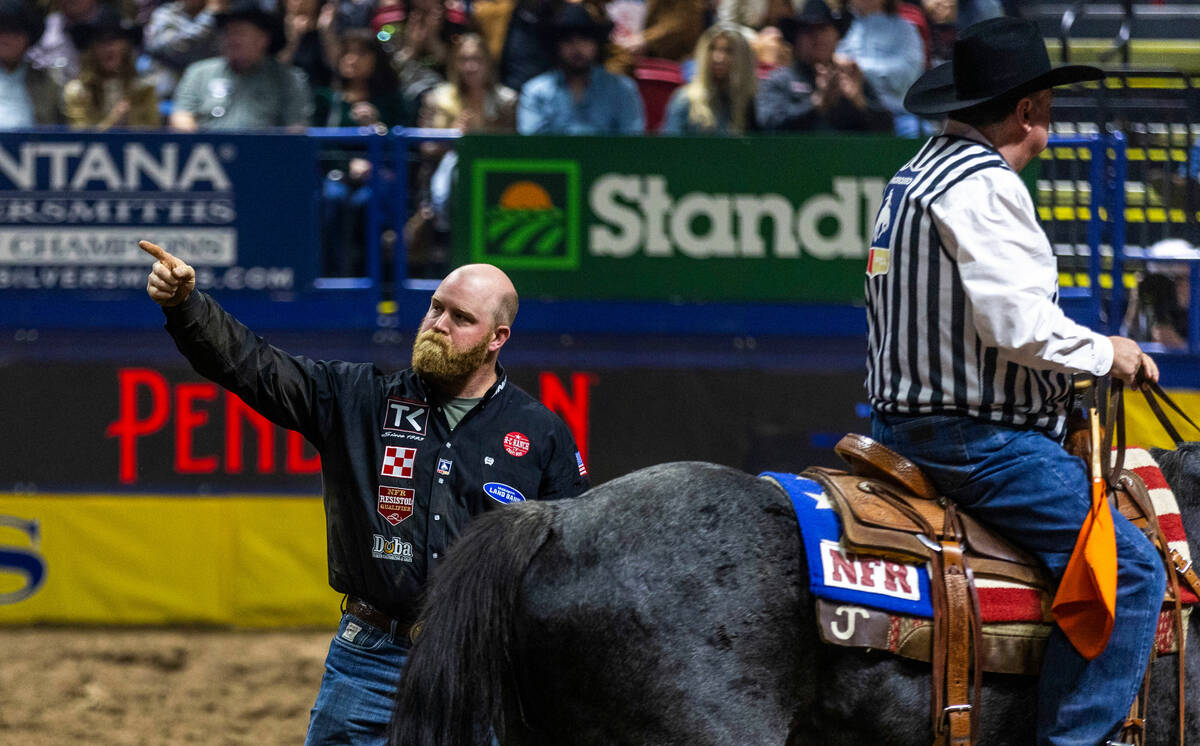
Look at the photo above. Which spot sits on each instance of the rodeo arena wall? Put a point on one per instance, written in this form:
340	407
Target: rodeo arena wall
680	299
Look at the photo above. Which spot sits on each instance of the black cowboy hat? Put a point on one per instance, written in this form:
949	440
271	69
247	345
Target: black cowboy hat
993	58
19	16
573	19
814	13
107	25
249	10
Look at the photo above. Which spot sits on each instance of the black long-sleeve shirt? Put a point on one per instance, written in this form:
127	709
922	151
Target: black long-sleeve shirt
784	103
399	483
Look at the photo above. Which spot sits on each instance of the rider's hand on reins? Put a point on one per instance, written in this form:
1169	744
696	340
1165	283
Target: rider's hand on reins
1130	364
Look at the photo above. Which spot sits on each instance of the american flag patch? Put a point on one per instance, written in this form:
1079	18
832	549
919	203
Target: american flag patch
582	468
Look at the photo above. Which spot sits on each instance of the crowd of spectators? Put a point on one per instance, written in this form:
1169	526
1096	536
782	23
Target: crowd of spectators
530	66
684	67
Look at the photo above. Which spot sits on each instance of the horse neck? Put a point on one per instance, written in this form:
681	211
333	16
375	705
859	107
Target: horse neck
1187	492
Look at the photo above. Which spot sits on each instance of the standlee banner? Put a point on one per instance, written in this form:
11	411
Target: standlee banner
676	219
239	208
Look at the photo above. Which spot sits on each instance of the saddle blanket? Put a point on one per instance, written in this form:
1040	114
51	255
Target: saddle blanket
880	583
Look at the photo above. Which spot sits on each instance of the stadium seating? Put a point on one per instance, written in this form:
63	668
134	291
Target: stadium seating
656	80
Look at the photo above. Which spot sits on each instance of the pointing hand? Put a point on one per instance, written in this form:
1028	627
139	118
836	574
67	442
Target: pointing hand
171	279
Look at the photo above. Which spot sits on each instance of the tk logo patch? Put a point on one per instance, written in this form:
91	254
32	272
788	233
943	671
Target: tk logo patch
405	416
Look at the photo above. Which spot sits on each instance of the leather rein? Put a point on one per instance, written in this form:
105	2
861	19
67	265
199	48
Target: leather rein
1134	726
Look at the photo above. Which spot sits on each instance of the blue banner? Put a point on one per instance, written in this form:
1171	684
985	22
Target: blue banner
241	208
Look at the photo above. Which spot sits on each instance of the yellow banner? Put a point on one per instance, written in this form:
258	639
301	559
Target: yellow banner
1142	427
249	561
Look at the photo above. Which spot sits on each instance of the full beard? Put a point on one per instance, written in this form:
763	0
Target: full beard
436	359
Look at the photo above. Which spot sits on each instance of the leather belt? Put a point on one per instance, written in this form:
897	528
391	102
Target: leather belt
376	618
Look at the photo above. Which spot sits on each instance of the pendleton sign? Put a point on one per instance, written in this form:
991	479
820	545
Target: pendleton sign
675	219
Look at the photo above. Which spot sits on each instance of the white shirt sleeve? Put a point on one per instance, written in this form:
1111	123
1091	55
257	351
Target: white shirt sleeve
988	224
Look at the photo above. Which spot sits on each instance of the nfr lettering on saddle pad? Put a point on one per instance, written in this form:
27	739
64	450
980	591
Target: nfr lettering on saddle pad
838	575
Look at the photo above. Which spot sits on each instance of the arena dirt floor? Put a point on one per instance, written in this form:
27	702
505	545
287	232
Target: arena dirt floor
157	686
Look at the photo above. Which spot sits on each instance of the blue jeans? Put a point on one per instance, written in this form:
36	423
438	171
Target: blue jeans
1025	486
358	689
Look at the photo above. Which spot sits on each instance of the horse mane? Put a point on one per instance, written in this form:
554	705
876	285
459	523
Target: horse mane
460	680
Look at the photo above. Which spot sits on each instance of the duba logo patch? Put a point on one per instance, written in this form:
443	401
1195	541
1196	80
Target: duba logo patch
387	548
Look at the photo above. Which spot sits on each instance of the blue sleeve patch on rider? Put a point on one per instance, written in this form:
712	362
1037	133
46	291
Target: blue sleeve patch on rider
837	575
502	493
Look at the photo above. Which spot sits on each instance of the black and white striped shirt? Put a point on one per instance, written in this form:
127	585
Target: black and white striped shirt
962	294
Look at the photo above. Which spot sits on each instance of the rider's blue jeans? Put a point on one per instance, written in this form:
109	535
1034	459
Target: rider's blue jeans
358	688
1024	485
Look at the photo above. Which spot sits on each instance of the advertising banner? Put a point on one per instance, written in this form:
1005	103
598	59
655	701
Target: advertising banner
73	205
141	429
241	560
133	495
675	219
117	428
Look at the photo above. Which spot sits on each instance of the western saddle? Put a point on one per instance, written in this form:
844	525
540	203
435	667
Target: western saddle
889	508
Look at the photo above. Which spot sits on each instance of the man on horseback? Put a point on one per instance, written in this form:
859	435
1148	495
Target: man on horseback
407	460
969	354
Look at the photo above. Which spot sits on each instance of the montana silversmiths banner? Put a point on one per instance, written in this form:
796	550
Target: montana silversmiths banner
672	218
73	205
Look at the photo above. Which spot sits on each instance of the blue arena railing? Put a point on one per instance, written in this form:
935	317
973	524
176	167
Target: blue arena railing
375	143
402	139
1106	223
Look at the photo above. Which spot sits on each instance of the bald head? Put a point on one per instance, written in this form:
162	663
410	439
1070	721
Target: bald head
487	285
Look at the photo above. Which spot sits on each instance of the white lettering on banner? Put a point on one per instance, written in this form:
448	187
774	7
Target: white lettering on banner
213	247
638	213
122	210
868	574
134	278
76	166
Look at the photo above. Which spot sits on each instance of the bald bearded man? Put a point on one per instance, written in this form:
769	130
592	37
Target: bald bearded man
407	459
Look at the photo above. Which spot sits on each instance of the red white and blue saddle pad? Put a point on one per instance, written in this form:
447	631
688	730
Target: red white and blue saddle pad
838	575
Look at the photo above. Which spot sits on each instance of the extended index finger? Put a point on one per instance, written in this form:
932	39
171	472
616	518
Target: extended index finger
158	253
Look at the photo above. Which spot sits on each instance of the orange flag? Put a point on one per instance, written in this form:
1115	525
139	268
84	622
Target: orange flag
1086	602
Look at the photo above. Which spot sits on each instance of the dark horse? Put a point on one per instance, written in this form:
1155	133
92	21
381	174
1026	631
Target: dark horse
671	606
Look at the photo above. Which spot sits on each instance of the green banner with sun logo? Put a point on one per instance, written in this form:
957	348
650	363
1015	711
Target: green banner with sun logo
525	213
674	218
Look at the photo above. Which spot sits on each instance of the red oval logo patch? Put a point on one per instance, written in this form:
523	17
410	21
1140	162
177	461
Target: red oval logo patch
516	443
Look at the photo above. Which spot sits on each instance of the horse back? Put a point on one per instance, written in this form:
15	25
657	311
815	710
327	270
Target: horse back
670	606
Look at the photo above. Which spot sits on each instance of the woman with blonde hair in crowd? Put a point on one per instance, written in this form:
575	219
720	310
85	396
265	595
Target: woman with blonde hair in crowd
471	101
720	98
108	92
